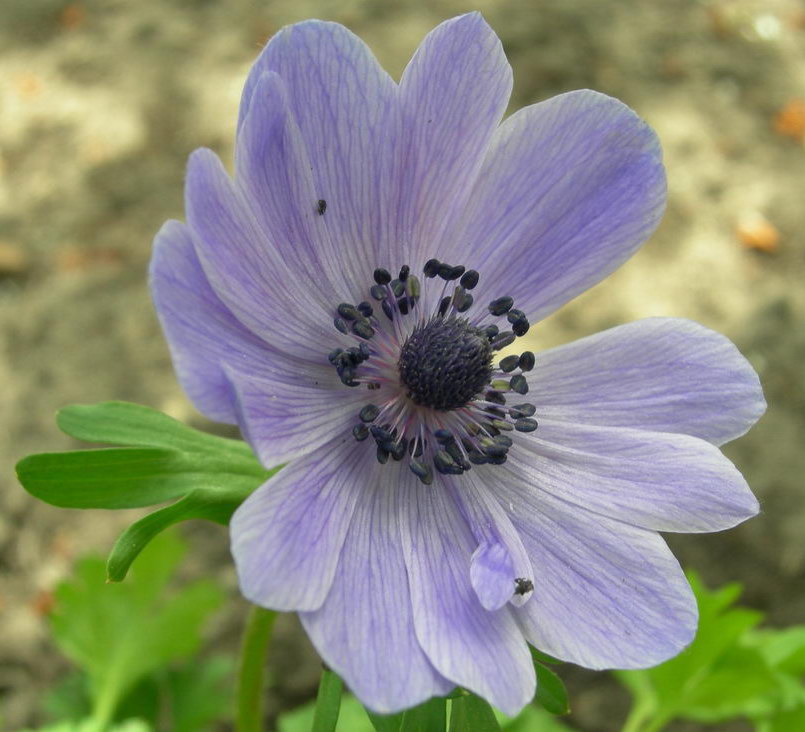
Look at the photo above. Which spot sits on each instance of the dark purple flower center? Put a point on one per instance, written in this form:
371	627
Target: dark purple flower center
445	363
436	399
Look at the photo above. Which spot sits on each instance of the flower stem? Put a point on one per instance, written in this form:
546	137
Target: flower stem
328	702
250	671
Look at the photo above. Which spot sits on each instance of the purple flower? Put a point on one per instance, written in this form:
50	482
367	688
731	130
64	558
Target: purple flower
343	299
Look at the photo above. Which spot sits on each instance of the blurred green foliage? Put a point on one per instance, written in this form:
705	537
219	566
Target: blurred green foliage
134	645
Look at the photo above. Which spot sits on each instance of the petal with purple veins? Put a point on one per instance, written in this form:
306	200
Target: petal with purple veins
655	480
247	272
287	535
286	414
663	374
344	104
480	650
364	630
569	189
500	558
202	333
452	97
606	594
275	171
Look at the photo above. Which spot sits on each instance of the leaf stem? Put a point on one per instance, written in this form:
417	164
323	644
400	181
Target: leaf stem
328	702
253	651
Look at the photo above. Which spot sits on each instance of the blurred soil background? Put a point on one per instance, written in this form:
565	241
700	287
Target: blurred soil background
101	101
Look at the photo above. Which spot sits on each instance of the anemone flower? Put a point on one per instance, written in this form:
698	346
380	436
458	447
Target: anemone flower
343	298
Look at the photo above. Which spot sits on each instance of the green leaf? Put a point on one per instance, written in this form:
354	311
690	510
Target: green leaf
551	692
693	683
428	717
470	713
352	717
790	720
385	722
531	719
540	657
200	694
732	688
124	423
328	702
112	478
782	649
118	634
197	504
161	460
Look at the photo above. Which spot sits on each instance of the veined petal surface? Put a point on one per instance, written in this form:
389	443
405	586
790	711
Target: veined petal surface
285	414
202	333
452	97
364	630
344	105
662	374
655	480
247	272
606	594
287	535
480	650
569	190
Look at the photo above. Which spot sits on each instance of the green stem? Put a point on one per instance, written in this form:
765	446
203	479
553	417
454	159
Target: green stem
250	671
328	702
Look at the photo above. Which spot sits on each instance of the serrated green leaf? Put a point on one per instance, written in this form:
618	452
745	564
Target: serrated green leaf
200	694
470	713
783	649
352	717
731	688
119	633
531	719
671	689
551	692
789	720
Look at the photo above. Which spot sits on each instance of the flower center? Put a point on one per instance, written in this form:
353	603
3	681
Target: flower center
445	363
436	398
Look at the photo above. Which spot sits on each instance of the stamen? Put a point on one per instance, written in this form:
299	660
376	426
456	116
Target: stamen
434	402
469	279
382	276
431	268
509	363
519	384
348	312
501	306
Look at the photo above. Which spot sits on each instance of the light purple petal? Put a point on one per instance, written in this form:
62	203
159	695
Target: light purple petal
663	374
344	105
655	480
606	594
500	557
480	650
452	96
275	173
248	273
287	413
569	190
202	333
287	535
365	630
